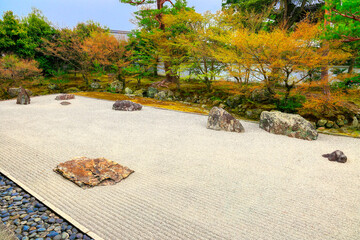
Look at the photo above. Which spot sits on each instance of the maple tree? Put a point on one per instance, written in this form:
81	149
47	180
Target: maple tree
104	49
14	69
68	46
193	37
282	57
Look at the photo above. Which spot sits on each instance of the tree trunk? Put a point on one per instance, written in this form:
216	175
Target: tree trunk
122	80
208	84
325	69
288	89
352	63
155	73
86	80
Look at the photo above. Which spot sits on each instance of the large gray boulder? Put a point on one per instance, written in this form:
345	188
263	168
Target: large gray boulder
126	105
291	125
219	119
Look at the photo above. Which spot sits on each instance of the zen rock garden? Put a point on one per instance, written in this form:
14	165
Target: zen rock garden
291	125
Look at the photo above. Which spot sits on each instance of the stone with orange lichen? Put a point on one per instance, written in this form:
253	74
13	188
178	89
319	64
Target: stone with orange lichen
86	172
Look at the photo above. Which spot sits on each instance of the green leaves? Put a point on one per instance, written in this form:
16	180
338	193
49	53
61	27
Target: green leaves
344	19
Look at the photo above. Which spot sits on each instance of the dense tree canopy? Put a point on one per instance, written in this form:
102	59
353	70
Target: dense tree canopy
284	12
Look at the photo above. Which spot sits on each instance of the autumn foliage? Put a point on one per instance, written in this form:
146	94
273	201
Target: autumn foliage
15	69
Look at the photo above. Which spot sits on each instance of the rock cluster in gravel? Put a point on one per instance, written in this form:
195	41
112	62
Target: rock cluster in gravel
29	218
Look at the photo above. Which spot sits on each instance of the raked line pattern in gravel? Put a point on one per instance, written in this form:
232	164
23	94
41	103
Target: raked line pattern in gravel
189	182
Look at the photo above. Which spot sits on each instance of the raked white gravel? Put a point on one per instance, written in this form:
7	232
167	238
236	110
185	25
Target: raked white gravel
189	182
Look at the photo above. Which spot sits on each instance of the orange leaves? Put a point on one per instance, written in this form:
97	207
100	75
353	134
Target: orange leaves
283	51
11	67
104	48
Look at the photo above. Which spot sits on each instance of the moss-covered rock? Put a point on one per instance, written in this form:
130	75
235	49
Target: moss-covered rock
72	89
234	101
321	123
151	92
291	125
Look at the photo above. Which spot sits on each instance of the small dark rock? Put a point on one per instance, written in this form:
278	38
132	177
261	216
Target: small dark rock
337	156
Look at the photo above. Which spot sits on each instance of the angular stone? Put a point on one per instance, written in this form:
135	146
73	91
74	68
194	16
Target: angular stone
291	125
65	97
86	172
219	119
23	97
126	105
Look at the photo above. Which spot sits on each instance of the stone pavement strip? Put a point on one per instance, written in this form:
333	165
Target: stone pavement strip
189	182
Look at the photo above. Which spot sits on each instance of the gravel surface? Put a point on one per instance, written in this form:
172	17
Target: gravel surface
29	218
189	182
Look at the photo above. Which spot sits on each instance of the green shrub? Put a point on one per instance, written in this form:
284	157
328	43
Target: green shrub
350	82
291	104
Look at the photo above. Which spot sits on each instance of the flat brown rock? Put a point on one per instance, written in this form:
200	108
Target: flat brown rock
65	97
86	172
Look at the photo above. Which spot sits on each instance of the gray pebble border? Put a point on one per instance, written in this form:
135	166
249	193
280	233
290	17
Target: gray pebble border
29	218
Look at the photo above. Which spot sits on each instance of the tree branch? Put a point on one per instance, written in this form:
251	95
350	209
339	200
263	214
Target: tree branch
351	16
349	39
136	3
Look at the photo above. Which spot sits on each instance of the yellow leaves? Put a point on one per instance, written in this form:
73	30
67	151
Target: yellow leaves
184	16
